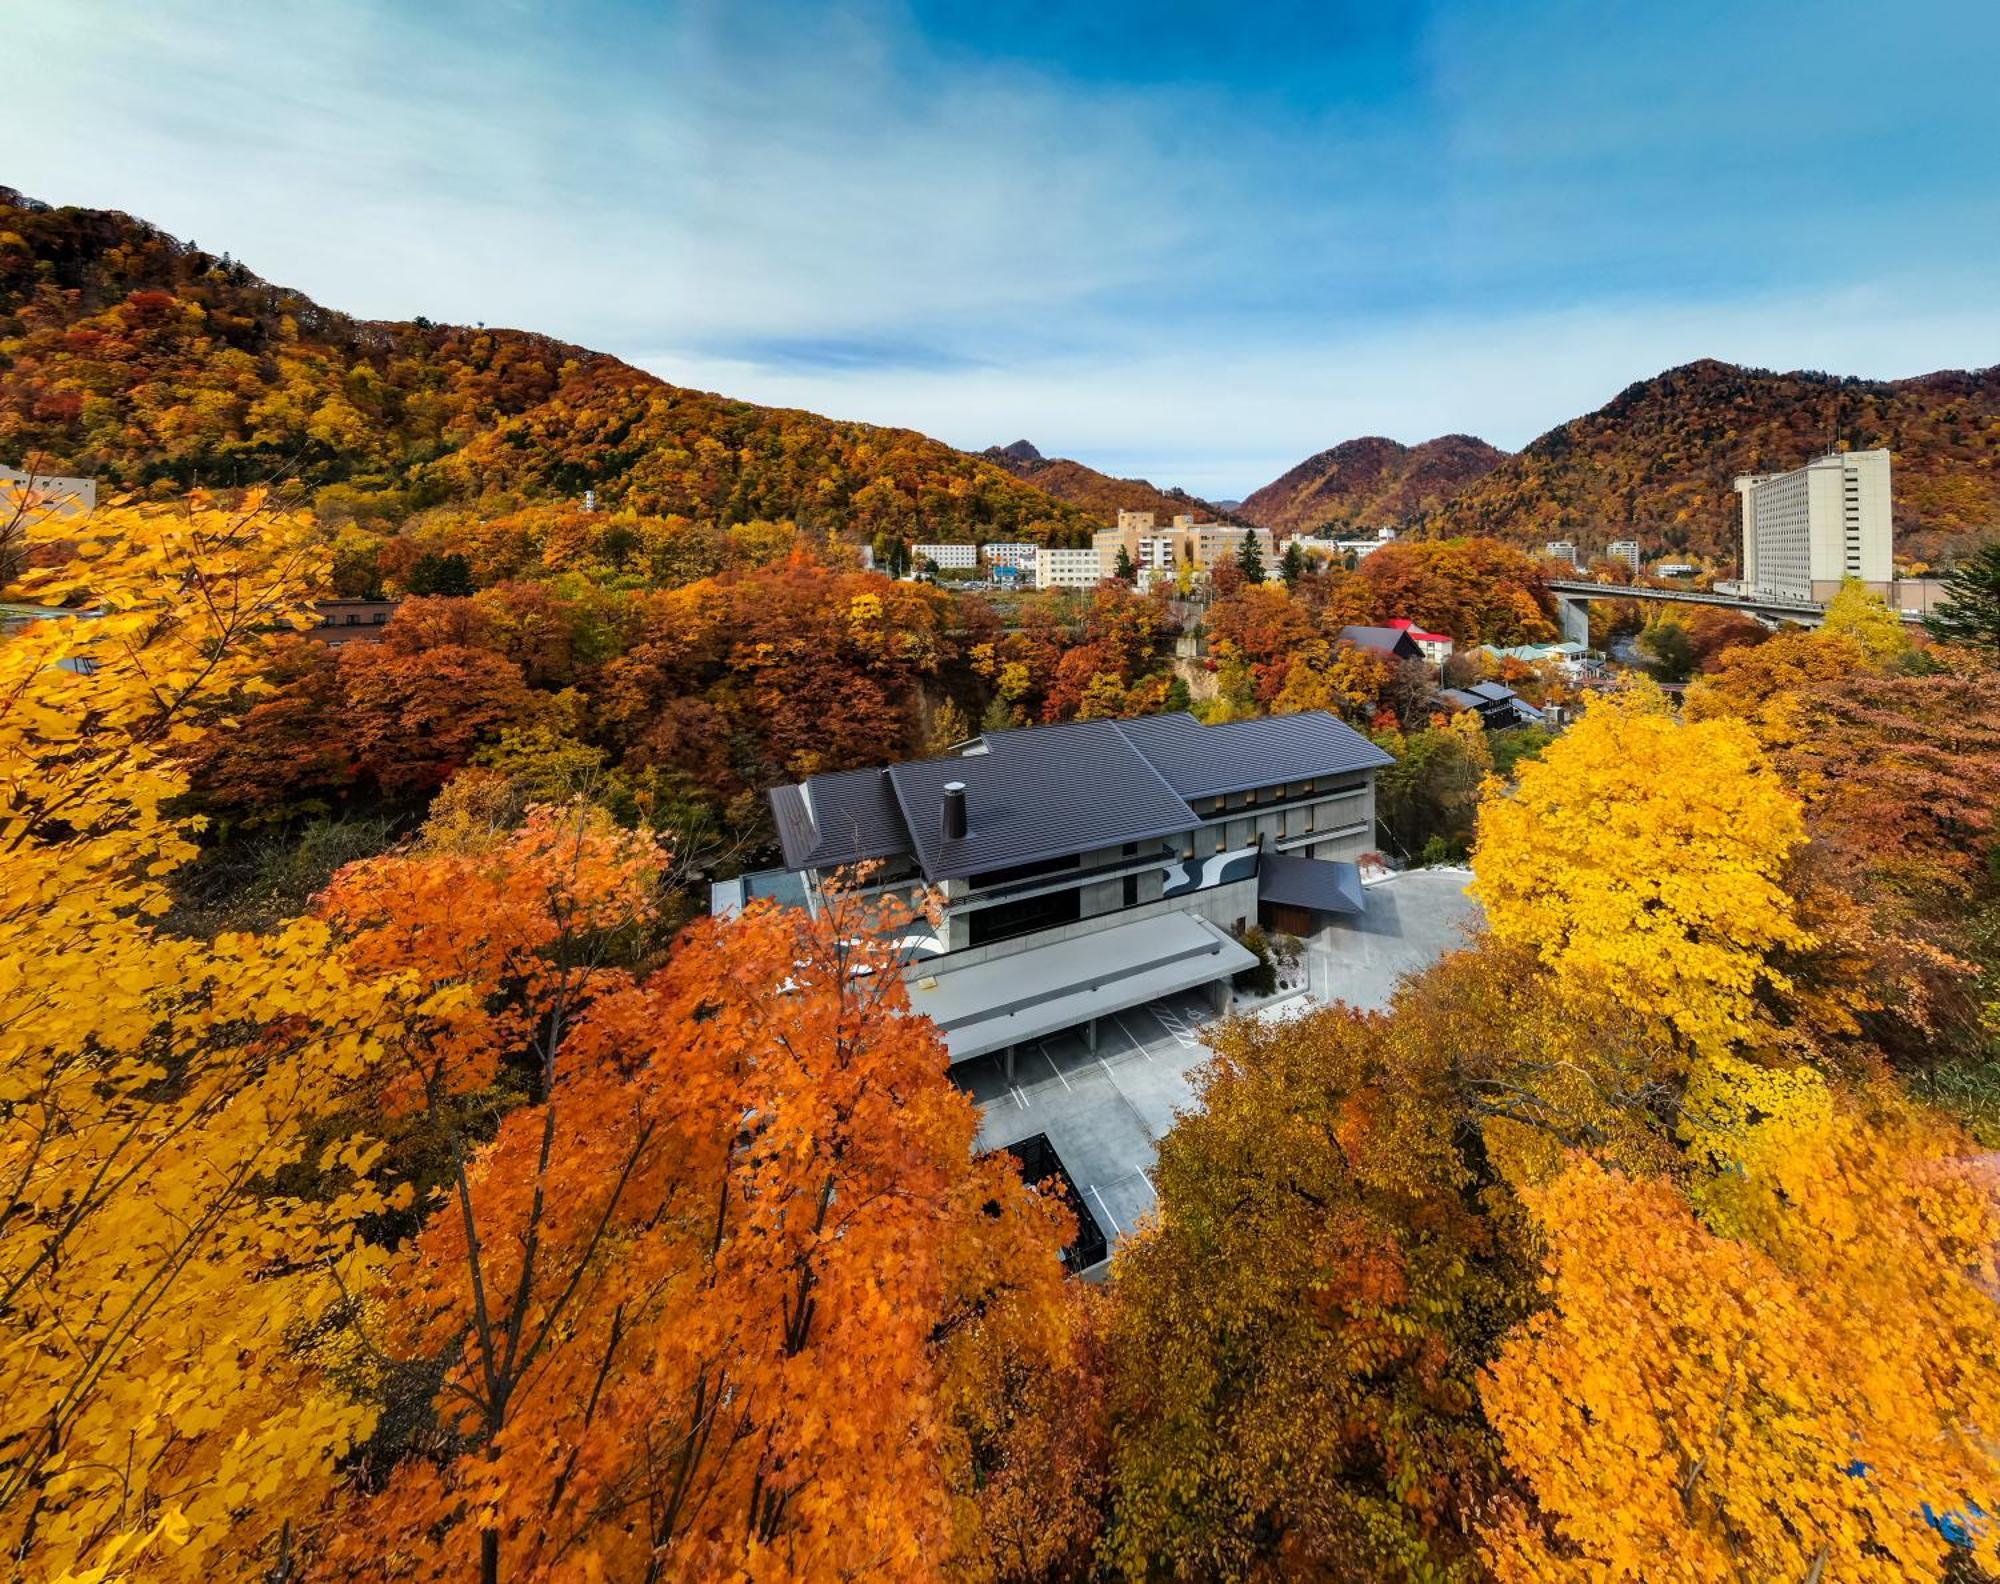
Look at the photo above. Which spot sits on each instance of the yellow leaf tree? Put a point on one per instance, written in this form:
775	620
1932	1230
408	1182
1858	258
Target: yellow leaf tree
1811	1401
160	1401
1641	857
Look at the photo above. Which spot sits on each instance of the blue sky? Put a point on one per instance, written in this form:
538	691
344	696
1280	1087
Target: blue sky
1195	241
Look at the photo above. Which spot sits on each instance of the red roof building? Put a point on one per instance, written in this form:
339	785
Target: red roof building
1436	646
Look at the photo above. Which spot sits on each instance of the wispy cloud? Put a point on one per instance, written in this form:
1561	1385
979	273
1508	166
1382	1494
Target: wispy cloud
1198	242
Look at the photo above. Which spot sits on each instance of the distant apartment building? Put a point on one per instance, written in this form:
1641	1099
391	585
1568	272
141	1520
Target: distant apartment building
1625	550
1149	551
1561	550
1215	543
949	557
1203	544
343	621
1019	556
1806	530
48	492
1362	548
1061	567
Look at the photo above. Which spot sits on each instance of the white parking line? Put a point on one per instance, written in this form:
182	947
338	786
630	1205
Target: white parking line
1020	1099
1131	1036
1052	1063
1148	1181
1172	1022
1116	1229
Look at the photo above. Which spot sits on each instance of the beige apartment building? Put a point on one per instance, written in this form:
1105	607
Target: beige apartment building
1807	530
1204	544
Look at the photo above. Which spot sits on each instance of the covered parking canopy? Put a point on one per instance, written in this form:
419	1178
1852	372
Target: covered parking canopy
1031	994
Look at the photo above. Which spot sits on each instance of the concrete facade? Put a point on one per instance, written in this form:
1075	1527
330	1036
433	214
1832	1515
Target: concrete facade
1204	544
1019	556
1807	530
1059	567
1624	550
1337	824
949	557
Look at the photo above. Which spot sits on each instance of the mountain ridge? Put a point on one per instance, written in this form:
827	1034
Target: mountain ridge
1370	481
152	364
1657	462
1090	490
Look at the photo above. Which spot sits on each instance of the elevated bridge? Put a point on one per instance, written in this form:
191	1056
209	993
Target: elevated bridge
1573	597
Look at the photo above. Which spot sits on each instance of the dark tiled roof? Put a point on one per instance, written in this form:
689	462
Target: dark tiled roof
1209	761
1036	794
1460	699
1044	791
1293	881
844	818
1386	640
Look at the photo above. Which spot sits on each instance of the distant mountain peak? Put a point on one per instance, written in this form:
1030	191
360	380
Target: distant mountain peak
1089	490
1371	481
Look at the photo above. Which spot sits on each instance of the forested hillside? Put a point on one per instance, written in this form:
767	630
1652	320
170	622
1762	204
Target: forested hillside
1099	493
147	362
1371	482
1656	464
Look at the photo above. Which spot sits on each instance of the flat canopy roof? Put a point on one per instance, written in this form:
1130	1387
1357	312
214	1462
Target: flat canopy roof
1045	989
1318	883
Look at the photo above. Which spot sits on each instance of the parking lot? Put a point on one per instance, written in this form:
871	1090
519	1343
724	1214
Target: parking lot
1104	1111
1413	919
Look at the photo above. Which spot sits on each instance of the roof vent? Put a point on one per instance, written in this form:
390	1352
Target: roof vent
954	811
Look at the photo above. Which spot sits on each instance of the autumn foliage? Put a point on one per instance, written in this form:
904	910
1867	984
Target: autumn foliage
490	1218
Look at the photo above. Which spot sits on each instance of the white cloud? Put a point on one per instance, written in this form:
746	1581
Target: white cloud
716	185
823	211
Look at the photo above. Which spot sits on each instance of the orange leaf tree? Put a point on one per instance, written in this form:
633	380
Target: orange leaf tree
702	1306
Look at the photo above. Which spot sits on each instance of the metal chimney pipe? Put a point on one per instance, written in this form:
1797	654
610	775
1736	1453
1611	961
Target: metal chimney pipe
954	811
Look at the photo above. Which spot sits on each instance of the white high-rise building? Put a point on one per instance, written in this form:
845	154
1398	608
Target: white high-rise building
1806	530
1561	550
1625	550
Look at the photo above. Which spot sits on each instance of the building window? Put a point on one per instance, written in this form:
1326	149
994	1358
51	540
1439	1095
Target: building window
1011	919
